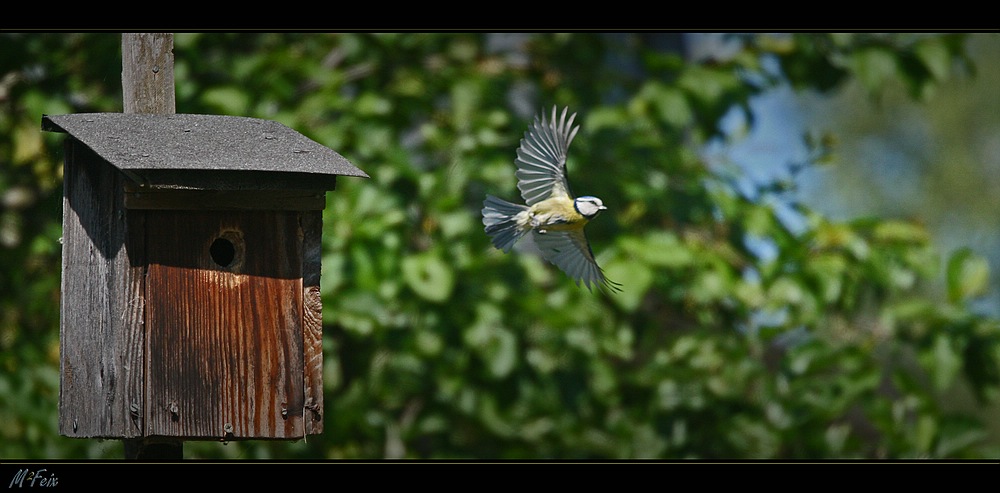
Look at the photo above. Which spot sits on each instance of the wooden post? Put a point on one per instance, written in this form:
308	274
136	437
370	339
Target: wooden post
148	87
148	73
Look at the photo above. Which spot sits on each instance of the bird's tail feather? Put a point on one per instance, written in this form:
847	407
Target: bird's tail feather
501	220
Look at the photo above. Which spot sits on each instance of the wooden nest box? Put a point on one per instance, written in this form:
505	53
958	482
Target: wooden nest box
190	277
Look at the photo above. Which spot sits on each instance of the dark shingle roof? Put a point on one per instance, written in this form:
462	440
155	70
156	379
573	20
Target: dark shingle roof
164	148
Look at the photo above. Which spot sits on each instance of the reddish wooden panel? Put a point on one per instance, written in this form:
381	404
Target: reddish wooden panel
224	324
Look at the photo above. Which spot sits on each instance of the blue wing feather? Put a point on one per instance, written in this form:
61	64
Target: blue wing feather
541	157
570	251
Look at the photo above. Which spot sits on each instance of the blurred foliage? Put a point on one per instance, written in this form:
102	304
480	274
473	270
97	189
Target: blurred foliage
934	161
749	327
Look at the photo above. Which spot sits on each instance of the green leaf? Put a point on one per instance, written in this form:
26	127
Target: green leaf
707	84
605	117
493	343
942	361
900	231
709	285
429	276
874	66
926	430
658	248
957	434
670	102
968	275
635	279
828	269
333	273
933	53
786	290
228	100
371	104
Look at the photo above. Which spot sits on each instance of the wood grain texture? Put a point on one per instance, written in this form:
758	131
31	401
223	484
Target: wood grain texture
101	310
312	320
225	349
148	73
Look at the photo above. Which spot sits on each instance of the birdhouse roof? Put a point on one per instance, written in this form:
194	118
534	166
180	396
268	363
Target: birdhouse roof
205	151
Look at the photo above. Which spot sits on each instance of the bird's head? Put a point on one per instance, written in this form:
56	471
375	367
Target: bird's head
588	206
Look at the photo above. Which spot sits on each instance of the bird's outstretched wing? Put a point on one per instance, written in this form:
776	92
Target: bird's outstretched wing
570	251
541	158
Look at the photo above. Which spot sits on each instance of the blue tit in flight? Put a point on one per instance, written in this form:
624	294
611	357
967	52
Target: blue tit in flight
554	218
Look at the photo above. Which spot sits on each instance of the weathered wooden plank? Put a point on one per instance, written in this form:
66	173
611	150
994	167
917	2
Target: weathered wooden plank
134	317
312	320
224	351
101	314
148	72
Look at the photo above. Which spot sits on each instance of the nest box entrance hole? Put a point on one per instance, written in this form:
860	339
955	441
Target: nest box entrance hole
227	249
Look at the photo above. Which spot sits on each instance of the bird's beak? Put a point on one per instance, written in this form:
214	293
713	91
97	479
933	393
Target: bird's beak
602	208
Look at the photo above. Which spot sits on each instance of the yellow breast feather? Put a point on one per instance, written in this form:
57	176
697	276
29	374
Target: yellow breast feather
555	214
